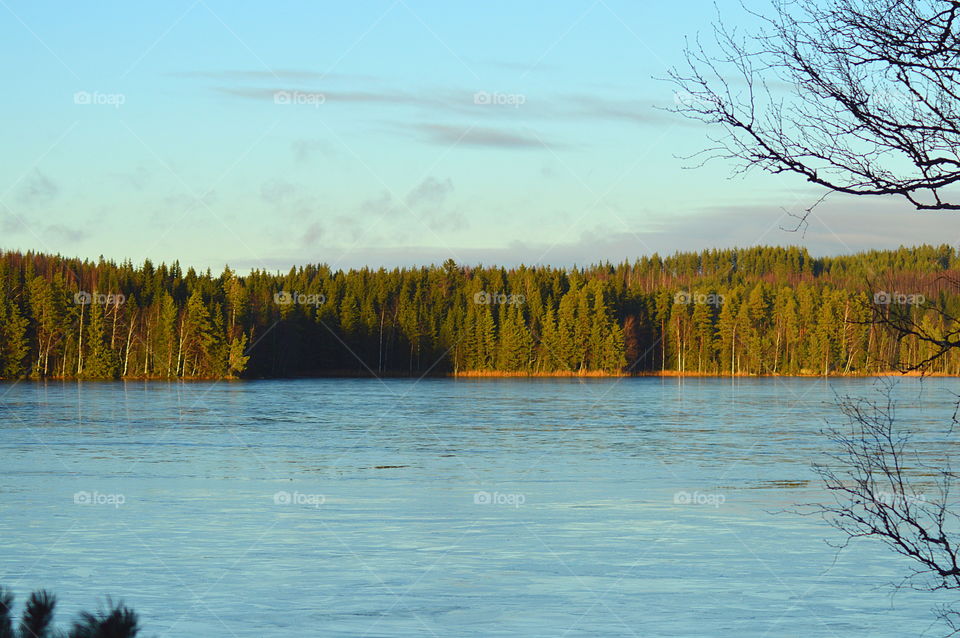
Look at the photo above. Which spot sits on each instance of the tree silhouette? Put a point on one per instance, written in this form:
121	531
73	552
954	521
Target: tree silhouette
36	621
857	96
888	488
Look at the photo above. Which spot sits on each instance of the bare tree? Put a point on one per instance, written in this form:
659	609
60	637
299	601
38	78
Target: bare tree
907	321
886	487
857	96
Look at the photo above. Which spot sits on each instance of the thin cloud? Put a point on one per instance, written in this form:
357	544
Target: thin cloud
275	191
587	249
484	102
839	225
304	150
635	111
430	191
13	225
10	224
334	97
64	232
37	189
382	204
138	178
485	137
477	103
311	235
275	74
429	198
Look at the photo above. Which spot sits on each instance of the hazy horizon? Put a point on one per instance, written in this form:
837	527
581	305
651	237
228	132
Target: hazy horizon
241	270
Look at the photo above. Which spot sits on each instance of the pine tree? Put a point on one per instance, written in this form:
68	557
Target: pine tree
613	358
727	338
516	343
199	338
702	327
99	361
566	355
238	357
548	358
14	344
757	326
484	340
46	301
166	346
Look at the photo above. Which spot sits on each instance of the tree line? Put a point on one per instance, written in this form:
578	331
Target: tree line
762	310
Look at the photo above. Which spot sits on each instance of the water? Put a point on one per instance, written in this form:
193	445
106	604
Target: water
444	508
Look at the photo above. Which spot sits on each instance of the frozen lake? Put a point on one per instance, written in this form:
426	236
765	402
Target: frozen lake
336	507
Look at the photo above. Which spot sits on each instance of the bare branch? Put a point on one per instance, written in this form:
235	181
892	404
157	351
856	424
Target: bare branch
858	96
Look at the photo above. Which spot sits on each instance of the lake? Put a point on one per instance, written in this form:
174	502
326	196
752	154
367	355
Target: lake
479	507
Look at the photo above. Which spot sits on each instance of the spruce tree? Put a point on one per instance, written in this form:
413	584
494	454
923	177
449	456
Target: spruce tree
14	344
100	362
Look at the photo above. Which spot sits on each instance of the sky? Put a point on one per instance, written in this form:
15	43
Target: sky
383	133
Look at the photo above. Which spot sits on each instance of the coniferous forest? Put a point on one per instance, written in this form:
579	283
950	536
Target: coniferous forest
760	310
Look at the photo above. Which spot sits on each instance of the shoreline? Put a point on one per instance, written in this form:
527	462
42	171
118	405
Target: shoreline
690	374
490	374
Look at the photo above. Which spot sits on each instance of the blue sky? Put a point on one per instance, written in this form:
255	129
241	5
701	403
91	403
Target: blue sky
380	133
